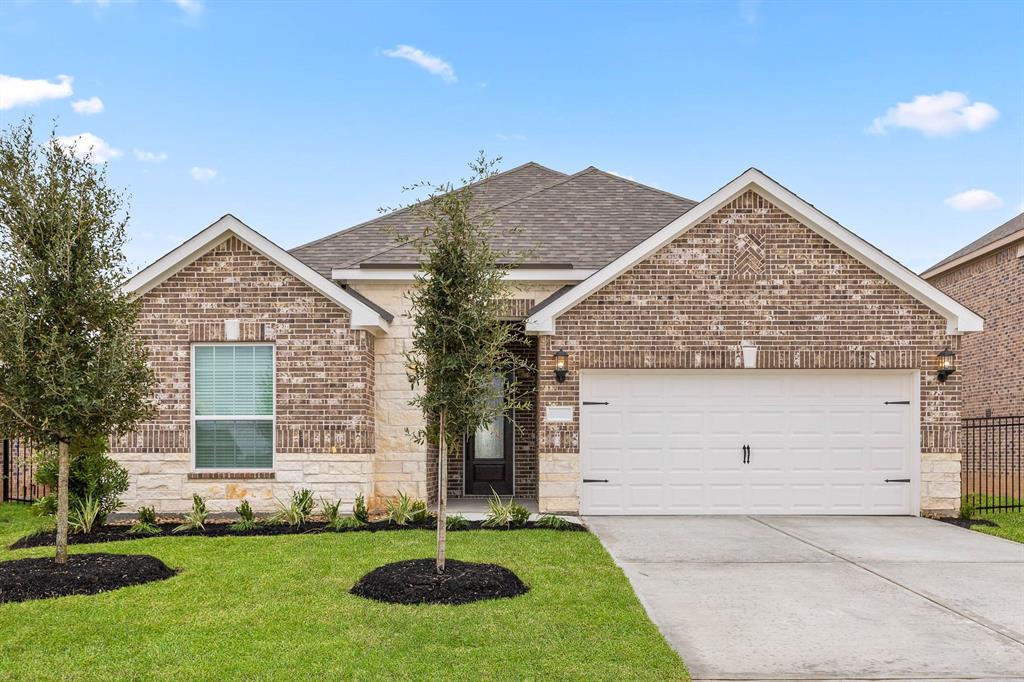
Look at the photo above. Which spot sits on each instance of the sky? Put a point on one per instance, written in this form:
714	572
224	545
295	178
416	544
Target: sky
903	121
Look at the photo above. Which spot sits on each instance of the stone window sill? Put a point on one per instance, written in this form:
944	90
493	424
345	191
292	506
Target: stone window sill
232	475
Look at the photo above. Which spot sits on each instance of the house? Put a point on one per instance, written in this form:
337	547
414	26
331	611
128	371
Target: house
987	275
741	354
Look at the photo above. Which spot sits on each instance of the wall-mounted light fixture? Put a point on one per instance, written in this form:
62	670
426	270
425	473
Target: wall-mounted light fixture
561	365
947	363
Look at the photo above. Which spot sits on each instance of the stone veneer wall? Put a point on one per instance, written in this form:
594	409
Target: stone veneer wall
749	272
990	362
400	465
324	380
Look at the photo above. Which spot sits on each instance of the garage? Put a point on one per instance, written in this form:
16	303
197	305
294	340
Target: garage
749	442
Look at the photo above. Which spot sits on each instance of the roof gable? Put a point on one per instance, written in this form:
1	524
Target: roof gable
959	318
364	316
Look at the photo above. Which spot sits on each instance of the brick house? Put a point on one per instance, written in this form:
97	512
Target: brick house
987	275
741	354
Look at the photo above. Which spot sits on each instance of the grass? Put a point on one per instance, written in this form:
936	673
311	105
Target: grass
279	607
1009	524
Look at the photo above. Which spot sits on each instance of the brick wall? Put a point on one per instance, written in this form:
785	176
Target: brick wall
324	383
750	272
991	363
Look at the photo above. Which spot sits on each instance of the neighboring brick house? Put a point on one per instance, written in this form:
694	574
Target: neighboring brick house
987	276
741	354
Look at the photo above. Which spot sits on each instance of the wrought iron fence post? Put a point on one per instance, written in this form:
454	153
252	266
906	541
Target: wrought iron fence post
6	470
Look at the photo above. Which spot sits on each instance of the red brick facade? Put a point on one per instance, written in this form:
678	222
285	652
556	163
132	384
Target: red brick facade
750	272
324	369
991	363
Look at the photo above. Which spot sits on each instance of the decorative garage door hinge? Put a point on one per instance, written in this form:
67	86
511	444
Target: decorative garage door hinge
592	402
897	402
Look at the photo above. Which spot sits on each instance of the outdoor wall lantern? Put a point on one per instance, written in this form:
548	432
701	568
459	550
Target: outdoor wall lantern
946	363
561	365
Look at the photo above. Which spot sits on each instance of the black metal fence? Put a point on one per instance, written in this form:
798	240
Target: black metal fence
993	463
19	473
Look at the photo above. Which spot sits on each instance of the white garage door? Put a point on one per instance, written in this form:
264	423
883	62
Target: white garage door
749	441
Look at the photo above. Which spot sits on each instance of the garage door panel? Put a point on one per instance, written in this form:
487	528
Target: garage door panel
820	442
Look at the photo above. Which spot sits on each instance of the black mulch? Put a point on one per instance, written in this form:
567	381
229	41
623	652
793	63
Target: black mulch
24	579
113	533
417	582
967	523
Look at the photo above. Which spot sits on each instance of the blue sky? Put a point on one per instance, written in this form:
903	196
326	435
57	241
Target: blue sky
303	118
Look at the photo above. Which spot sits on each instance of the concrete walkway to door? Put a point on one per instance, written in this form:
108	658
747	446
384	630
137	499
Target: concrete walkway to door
826	598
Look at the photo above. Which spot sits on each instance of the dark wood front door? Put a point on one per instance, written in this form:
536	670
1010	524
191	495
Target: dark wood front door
489	458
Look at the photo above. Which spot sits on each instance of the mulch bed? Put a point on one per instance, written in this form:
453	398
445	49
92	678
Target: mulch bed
115	533
967	523
24	579
417	582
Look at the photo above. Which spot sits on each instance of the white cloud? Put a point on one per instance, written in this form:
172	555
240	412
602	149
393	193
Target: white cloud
624	177
434	65
200	174
192	8
87	107
974	200
89	146
18	92
143	155
943	114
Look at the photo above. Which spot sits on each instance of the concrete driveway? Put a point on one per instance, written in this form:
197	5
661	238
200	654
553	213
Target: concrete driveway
826	598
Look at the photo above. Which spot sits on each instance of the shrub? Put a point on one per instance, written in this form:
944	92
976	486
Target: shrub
346	523
504	514
247	520
298	510
456	522
194	519
85	515
146	525
404	510
967	507
359	509
93	474
331	511
553	522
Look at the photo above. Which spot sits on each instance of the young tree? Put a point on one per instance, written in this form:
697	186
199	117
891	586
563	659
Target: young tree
460	343
71	366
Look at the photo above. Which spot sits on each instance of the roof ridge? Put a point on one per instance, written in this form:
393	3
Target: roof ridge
403	209
962	252
643	186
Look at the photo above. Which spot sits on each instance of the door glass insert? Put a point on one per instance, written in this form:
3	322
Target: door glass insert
489	440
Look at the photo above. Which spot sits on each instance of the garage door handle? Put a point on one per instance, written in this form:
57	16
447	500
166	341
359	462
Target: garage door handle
595	480
897	480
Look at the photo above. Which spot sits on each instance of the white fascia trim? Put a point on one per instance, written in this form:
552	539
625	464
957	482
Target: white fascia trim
363	316
959	318
968	257
560	275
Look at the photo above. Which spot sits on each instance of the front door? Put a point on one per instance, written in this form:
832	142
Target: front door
489	456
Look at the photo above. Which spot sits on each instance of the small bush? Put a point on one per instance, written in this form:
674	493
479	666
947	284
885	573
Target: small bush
146	525
404	510
967	507
456	522
331	511
553	522
246	519
298	510
196	518
92	474
504	514
85	515
359	510
346	523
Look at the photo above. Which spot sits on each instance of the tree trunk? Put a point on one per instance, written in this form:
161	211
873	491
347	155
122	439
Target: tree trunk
442	491
63	473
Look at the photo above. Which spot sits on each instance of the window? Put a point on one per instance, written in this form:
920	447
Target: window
233	406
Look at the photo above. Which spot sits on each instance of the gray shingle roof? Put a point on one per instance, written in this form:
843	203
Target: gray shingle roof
586	220
1011	226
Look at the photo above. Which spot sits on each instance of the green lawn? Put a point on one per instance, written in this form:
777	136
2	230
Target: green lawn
279	607
1009	524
